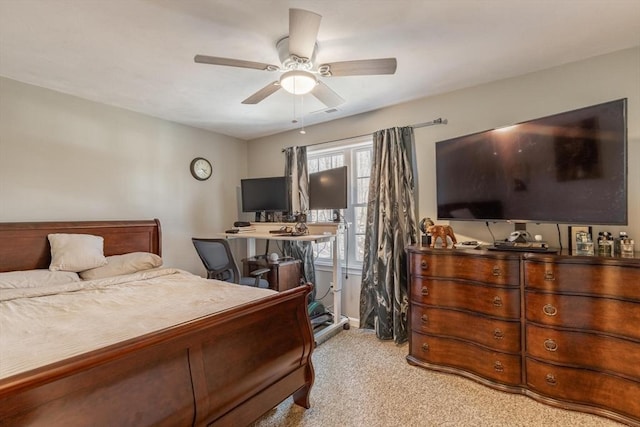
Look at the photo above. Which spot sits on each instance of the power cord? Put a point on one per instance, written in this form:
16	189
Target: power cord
559	236
325	294
490	232
346	246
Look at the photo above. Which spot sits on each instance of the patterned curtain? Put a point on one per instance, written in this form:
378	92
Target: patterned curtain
296	167
391	225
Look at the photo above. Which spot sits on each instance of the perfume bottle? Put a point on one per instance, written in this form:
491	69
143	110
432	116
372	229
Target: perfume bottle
627	247
616	243
584	244
605	244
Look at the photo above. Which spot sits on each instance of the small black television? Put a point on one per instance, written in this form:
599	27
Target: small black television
265	194
567	168
328	189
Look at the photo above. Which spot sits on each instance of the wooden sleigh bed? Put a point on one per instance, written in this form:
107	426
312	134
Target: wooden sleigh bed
227	368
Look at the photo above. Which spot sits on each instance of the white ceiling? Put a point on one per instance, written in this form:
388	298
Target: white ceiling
138	54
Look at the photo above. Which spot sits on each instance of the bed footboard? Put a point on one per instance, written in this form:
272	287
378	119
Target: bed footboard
226	369
258	359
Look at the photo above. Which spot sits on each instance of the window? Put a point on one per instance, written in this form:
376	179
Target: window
357	158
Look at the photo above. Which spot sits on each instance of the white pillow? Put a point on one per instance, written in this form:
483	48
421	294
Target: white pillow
123	264
76	252
36	278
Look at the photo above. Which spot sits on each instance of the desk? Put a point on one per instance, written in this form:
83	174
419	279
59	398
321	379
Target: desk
321	232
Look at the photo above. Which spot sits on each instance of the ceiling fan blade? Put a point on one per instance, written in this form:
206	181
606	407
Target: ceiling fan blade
361	67
214	60
262	93
303	32
326	95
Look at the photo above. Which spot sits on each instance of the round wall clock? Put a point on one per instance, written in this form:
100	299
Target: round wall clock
201	168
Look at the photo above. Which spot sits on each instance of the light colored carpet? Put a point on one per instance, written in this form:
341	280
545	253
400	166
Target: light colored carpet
362	381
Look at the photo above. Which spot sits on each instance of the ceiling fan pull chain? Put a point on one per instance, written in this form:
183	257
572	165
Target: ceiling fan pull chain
302	131
295	119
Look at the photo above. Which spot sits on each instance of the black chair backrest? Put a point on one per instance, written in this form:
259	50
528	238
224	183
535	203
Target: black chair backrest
217	259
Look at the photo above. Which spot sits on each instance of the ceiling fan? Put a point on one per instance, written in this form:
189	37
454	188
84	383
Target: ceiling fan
300	74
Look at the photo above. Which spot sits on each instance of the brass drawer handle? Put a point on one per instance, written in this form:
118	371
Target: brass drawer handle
551	379
550	345
424	290
498	367
497	301
425	347
424	265
498	334
548	276
497	271
425	318
549	310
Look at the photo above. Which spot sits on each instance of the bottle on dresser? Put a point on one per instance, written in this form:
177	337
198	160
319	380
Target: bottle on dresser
605	243
623	240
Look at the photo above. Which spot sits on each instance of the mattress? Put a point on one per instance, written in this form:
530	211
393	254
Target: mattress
39	326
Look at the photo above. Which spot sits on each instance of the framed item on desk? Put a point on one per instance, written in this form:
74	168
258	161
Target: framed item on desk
573	232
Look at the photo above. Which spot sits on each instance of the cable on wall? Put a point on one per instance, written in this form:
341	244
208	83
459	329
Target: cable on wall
559	236
490	232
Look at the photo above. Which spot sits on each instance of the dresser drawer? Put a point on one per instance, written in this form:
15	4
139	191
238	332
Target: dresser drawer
496	334
614	317
584	386
590	350
501	367
609	280
485	269
490	300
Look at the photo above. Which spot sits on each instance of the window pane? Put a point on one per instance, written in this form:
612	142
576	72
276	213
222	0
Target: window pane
324	215
337	160
360	247
324	163
323	250
362	190
358	159
312	165
360	219
363	163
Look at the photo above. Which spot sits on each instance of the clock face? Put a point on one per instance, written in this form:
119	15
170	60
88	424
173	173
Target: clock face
201	168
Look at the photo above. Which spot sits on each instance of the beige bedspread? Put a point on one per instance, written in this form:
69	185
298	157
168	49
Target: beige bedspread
43	325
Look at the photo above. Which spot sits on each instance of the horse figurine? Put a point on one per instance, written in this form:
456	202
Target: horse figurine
437	231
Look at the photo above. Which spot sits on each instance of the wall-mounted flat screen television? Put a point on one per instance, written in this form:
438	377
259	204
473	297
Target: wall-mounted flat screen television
568	168
265	194
328	189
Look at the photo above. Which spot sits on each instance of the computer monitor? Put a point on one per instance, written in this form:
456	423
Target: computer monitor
328	189
265	194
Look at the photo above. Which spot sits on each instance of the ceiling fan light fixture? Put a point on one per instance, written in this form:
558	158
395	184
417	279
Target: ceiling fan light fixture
298	82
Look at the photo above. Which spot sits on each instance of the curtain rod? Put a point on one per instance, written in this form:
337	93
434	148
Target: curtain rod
438	121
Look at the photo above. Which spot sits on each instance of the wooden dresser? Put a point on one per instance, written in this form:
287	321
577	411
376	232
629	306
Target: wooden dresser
465	315
562	329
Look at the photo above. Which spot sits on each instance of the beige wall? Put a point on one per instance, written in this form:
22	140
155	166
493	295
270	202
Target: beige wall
65	158
474	109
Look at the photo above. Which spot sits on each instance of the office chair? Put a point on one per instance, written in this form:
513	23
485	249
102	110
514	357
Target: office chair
218	260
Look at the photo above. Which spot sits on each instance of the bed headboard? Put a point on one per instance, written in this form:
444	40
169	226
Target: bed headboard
25	246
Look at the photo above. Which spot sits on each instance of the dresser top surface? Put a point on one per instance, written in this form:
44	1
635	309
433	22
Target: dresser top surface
562	256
